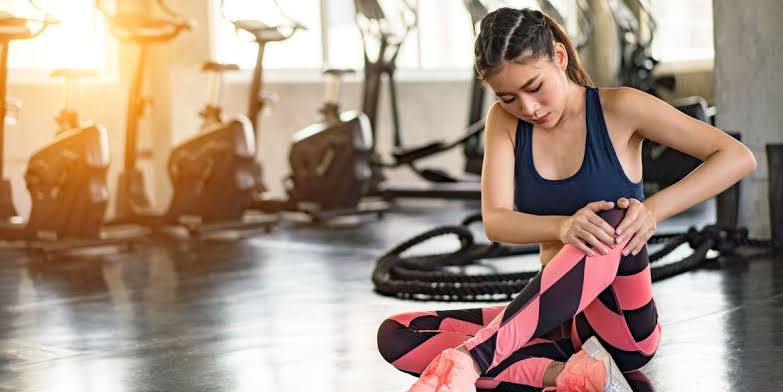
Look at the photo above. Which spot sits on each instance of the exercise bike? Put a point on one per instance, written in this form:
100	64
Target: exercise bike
214	175
329	160
66	179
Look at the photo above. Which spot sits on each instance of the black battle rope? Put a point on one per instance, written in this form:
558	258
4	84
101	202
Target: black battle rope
425	277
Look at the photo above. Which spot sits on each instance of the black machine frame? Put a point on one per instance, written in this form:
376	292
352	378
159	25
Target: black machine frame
204	210
67	177
306	193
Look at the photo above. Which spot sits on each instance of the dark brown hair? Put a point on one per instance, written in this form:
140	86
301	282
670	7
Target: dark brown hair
509	34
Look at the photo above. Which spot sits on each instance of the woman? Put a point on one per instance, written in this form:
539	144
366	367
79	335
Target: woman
562	167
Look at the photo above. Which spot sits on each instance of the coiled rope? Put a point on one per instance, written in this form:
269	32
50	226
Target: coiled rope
426	277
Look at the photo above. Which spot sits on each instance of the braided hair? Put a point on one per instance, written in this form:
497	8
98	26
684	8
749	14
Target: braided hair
509	34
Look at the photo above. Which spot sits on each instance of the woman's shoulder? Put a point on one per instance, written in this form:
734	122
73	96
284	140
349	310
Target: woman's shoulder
622	102
499	120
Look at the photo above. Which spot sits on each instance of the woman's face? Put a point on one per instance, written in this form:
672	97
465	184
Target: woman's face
534	91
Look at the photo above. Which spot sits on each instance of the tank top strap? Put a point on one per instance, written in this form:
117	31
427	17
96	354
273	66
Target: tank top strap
594	121
522	138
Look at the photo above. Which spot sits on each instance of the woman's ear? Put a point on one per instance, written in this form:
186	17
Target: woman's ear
561	56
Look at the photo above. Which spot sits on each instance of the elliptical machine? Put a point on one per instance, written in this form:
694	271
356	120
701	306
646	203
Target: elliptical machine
67	178
381	47
382	38
214	175
329	160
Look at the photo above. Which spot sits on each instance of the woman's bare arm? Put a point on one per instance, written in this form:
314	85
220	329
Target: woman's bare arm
725	160
501	222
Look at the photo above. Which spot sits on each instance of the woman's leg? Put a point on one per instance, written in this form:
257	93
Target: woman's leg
410	341
623	317
570	282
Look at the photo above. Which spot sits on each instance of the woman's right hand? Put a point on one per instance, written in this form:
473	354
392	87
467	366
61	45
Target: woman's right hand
585	228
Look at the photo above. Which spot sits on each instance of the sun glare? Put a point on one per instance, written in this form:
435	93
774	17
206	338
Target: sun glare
77	41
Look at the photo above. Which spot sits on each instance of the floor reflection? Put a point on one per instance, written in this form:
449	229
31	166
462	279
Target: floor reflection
294	310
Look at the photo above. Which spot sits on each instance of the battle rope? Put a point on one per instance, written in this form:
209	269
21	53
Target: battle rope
425	277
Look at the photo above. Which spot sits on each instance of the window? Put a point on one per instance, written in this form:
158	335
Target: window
446	35
78	41
344	40
302	50
443	39
684	30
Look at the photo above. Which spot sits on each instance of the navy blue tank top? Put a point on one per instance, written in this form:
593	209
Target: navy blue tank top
601	176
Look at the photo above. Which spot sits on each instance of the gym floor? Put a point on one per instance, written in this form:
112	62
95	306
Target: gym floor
294	310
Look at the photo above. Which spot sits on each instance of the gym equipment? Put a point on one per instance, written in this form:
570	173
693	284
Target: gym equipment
214	175
11	28
66	179
637	63
330	168
330	164
386	34
774	172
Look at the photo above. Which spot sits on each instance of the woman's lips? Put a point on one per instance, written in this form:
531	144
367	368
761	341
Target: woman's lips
542	120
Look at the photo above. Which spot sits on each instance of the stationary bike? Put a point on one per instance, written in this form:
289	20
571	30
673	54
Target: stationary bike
214	174
330	164
11	28
330	167
67	178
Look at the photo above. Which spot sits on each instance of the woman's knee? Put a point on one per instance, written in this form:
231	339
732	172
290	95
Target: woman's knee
389	335
614	216
399	334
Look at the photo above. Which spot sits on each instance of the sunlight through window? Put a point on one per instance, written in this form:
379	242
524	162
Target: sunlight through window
684	30
302	50
78	41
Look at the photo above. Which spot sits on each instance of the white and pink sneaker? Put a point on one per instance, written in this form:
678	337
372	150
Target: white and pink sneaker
450	371
591	370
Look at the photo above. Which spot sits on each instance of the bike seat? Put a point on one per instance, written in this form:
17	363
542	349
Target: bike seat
141	28
73	73
211	66
339	72
265	33
12	27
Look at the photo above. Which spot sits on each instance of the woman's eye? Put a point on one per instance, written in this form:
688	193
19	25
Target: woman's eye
537	88
509	100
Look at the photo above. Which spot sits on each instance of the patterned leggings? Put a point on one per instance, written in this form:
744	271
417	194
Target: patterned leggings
573	298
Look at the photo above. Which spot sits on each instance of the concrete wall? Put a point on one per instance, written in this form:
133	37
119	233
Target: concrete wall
749	90
429	109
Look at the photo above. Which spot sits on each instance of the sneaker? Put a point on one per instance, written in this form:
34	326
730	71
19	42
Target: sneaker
592	370
450	371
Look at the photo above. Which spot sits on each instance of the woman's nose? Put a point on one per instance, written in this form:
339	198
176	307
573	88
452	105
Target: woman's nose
529	107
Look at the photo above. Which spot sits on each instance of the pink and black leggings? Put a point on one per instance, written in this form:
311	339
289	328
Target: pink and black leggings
573	298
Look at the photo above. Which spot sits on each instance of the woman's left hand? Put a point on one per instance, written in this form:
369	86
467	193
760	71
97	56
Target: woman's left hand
639	225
